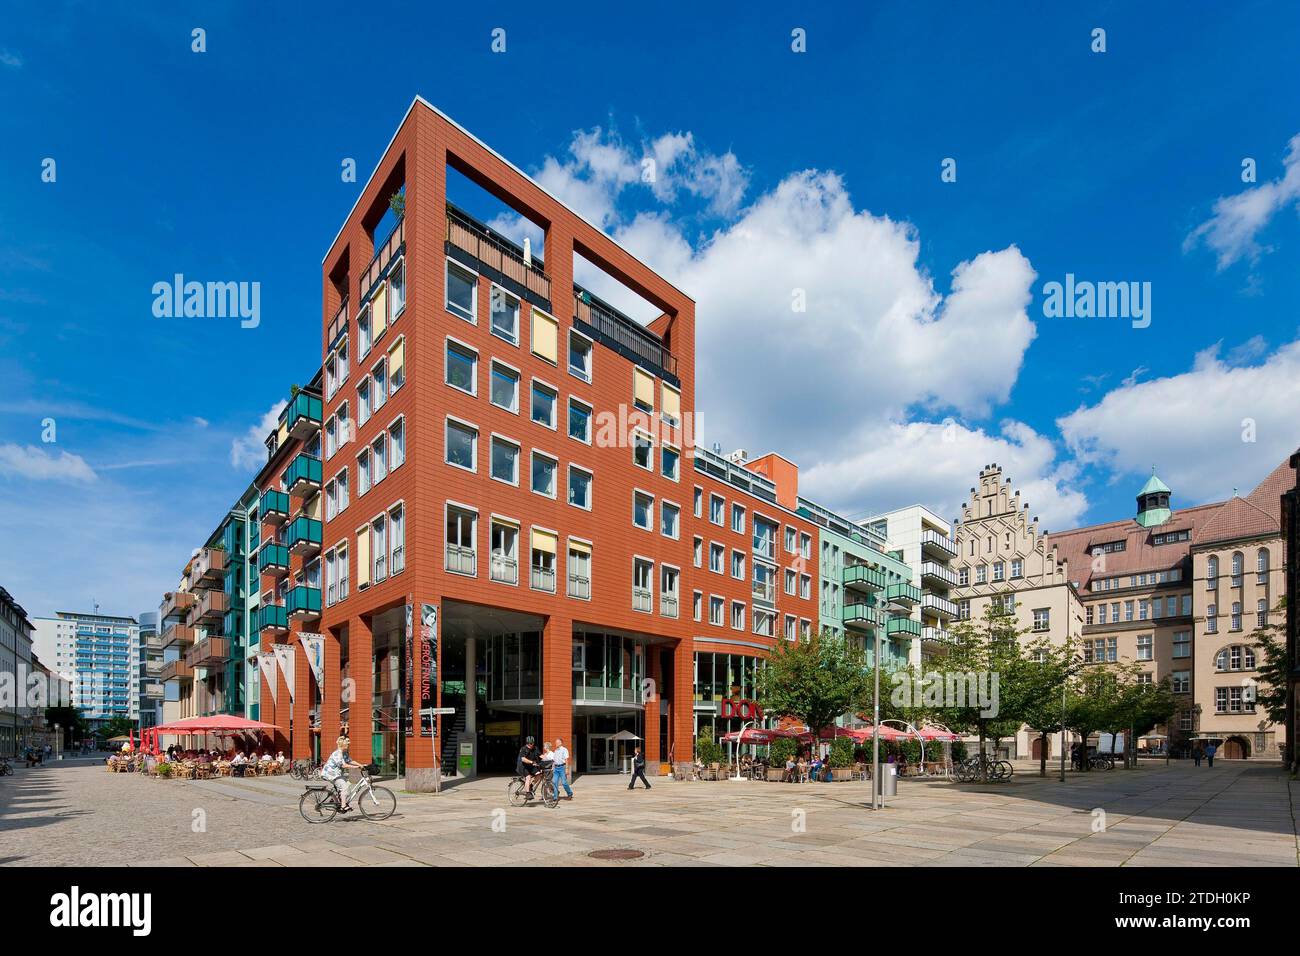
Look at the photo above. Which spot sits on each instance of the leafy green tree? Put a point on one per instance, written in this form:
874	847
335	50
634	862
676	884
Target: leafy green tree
114	727
815	681
72	725
1043	713
1274	664
1092	702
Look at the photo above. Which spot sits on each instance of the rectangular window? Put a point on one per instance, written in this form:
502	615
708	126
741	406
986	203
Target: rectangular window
998	571
364	338
580	487
504	561
717	555
397	288
698	602
716	506
545	336
643	510
1145	647
643	390
715	610
505	314
697	554
670	520
396	540
643	451
542	570
397	444
671	401
738	519
670	459
545	399
1042	619
505	460
738	565
363	472
397	365
579	570
1182	644
737	616
1181	682
363	401
579	420
580	356
379	375
379	548
668	583
462	445
544	474
379	458
505	387
643	585
462	292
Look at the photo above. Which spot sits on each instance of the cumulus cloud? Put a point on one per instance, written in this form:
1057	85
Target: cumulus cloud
1219	425
39	464
1237	220
249	450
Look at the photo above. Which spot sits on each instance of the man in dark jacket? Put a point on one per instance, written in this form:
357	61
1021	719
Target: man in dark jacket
638	770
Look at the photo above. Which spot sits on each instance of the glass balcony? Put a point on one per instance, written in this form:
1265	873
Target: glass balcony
303	535
274	507
861	577
303	475
303	416
272	617
302	601
273	559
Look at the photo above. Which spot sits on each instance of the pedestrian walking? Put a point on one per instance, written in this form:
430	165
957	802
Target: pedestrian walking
638	769
560	769
1209	753
1197	754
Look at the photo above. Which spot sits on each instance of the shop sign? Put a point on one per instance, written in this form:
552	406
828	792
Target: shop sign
741	707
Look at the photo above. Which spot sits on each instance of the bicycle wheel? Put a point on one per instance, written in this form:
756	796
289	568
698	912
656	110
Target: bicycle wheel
1006	770
378	803
317	806
515	791
550	794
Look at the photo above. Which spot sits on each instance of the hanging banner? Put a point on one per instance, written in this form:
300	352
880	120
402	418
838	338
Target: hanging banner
412	715
428	667
266	660
284	657
314	646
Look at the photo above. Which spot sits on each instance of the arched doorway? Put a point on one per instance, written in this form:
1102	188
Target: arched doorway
1036	748
1235	748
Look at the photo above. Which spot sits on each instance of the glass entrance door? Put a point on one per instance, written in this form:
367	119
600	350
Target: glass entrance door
600	753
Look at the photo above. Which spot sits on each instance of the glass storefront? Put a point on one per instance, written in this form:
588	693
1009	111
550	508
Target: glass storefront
388	743
719	676
607	667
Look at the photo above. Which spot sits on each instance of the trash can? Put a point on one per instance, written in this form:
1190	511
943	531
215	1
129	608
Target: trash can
889	780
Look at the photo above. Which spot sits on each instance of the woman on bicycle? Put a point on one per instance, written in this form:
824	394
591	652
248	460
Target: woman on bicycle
335	771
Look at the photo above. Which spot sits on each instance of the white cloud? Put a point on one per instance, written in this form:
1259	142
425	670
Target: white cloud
894	464
38	464
10	59
1237	220
1192	426
249	450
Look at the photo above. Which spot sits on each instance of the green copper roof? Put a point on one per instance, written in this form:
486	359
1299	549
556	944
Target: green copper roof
1154	486
1153	517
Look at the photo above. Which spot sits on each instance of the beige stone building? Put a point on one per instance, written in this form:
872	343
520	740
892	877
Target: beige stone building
1179	591
1004	557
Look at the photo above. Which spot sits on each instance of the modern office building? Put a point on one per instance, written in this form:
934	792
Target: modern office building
925	543
16	635
98	653
149	657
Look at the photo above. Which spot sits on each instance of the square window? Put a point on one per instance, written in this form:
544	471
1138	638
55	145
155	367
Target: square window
462	292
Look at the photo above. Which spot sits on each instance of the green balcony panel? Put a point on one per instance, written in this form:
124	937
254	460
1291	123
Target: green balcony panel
303	416
903	593
303	535
303	473
272	617
859	614
903	625
302	601
860	574
274	506
272	557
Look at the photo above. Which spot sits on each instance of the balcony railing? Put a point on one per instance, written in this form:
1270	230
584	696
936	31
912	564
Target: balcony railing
303	535
763	592
621	331
339	323
903	625
859	616
609	695
302	601
863	578
937	572
177	670
904	594
274	507
210	607
302	477
938	605
175	602
272	617
208	568
542	579
181	635
504	569
462	560
495	253
208	652
668	605
936	635
384	253
642	600
940	545
580	587
303	416
272	559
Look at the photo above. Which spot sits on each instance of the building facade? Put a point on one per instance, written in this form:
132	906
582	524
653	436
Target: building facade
925	543
149	657
98	653
16	636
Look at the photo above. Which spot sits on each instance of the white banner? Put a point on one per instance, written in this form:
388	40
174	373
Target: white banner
266	660
284	657
314	645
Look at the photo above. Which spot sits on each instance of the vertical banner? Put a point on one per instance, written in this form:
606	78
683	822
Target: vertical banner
428	667
266	660
284	657
412	714
314	645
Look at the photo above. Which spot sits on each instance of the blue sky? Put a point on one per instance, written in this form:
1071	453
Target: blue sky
817	171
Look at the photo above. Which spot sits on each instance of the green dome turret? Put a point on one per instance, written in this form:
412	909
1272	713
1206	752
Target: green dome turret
1153	502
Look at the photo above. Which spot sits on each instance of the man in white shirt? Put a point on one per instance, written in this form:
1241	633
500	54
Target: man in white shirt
560	766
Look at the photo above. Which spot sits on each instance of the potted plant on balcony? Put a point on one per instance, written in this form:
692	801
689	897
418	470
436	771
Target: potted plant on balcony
397	203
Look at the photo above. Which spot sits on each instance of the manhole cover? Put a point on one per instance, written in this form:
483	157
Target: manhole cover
616	854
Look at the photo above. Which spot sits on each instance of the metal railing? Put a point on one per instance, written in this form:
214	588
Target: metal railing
622	330
504	569
668	605
462	560
384	253
580	587
642	600
496	253
542	579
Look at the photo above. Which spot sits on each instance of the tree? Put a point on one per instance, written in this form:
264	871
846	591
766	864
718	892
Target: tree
1274	665
1091	703
1043	711
1139	708
114	727
72	725
815	681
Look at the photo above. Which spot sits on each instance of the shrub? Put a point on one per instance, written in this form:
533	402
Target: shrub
841	754
781	750
164	769
706	750
958	751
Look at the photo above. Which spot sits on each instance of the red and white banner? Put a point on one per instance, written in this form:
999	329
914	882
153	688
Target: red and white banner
266	660
284	657
314	646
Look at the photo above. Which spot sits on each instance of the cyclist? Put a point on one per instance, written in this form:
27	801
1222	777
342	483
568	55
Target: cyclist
528	765
335	771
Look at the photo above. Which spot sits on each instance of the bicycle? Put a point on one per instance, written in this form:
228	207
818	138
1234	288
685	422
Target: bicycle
982	769
304	770
320	804
5	769
517	789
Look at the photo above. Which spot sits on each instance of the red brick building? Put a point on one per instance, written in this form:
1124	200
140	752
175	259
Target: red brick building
499	509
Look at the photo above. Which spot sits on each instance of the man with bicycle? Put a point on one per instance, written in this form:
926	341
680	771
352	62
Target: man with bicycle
335	771
528	766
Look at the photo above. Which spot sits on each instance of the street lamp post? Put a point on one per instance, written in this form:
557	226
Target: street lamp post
1062	731
875	729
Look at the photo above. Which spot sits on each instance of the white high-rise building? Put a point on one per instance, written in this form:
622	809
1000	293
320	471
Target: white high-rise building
99	654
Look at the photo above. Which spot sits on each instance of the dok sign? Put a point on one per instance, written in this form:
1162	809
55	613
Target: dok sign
740	707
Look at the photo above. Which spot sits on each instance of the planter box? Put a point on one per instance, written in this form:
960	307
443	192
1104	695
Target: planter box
841	773
774	774
665	770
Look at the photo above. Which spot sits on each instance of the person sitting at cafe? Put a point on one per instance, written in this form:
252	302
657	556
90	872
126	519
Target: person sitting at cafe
790	768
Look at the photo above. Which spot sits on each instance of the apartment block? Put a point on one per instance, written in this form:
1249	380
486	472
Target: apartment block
925	544
98	653
149	663
16	638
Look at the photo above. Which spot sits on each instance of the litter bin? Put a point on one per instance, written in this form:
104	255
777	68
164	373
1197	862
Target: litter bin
889	780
